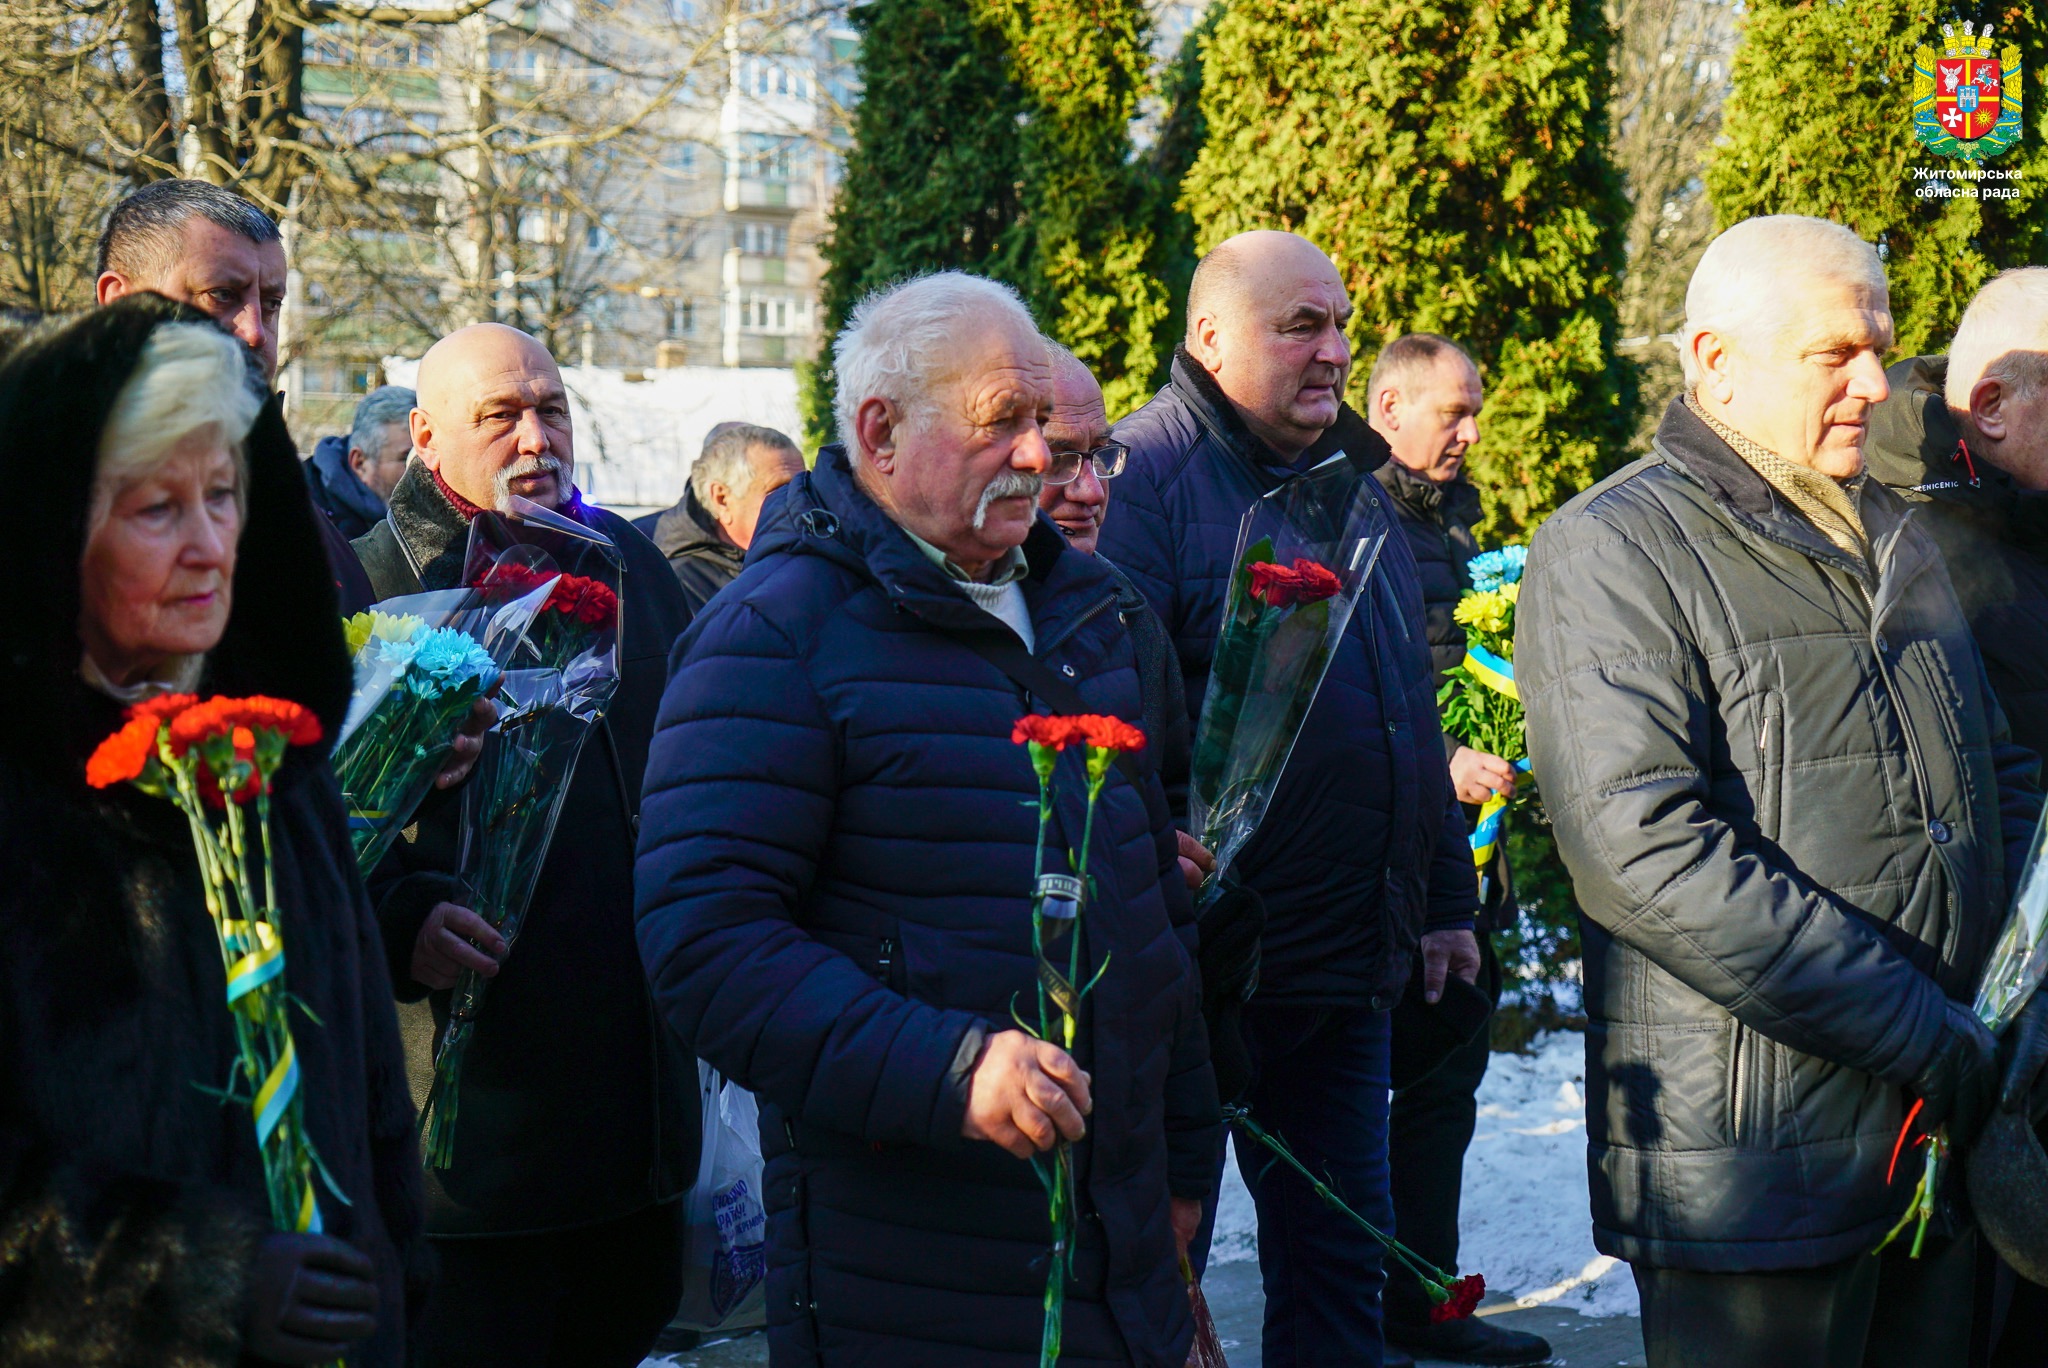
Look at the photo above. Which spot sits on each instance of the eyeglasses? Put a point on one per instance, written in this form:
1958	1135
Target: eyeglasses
1066	465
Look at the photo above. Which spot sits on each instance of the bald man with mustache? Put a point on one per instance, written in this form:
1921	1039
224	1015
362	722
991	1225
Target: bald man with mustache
557	1225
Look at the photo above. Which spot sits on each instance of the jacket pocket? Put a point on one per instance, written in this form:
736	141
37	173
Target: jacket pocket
1751	1085
1771	762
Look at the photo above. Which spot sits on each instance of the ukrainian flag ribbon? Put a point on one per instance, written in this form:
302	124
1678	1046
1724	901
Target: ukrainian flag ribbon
1490	670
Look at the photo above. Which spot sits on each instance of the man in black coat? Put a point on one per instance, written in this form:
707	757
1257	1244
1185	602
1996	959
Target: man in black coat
1963	439
1424	397
706	535
556	1224
1361	862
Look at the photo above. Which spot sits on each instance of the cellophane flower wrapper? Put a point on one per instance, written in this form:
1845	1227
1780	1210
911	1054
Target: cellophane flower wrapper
2020	957
421	662
1320	537
563	675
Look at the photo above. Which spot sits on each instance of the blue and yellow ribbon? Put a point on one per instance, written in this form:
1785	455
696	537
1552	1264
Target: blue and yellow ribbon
1490	670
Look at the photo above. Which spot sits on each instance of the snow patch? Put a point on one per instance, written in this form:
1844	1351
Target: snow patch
1524	1220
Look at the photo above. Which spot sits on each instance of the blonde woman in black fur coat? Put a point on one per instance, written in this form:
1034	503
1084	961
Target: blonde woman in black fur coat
159	536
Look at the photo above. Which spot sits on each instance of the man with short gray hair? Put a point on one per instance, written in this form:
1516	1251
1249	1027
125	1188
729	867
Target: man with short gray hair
1783	787
839	846
706	535
351	478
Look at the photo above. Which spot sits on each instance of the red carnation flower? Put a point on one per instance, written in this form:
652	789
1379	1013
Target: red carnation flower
124	755
1283	586
1038	729
1109	733
163	707
1464	1298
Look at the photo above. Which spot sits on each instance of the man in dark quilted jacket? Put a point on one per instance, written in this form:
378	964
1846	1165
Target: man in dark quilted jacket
835	868
1362	862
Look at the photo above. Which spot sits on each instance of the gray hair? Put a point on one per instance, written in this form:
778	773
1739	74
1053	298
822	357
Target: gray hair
1401	359
727	457
1735	290
900	337
2003	337
191	379
380	409
147	228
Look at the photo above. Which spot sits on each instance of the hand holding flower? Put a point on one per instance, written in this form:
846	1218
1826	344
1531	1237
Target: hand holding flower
1026	1095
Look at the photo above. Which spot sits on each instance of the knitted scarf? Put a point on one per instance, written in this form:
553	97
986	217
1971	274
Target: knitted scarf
1830	505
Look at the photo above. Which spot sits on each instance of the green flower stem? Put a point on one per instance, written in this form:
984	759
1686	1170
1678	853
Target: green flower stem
1434	1280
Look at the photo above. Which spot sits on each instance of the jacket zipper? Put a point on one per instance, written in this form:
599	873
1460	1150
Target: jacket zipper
1076	625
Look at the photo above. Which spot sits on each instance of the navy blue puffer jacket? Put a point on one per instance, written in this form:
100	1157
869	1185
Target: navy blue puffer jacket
1364	843
834	866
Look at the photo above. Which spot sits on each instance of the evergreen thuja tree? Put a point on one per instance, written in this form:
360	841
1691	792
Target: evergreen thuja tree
1080	65
932	178
1450	156
1820	121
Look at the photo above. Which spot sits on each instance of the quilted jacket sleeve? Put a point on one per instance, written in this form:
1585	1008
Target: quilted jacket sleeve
1620	722
736	812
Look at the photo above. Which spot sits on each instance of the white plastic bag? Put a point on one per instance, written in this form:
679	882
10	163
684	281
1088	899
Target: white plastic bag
725	1232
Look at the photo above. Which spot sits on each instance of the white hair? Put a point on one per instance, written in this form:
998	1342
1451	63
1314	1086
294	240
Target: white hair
901	339
192	379
1737	291
2003	336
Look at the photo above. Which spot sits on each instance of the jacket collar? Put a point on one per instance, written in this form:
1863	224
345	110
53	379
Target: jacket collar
1426	499
1916	446
1686	444
1350	434
434	530
689	528
825	512
330	464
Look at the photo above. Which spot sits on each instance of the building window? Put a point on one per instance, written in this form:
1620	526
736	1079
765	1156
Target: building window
764	239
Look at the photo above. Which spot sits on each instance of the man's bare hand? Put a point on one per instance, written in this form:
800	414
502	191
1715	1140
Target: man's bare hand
1025	1095
468	744
1445	953
1196	863
448	944
1186	1215
1477	776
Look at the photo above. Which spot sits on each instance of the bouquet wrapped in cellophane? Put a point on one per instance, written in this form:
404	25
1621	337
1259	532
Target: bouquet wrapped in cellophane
215	759
553	695
2012	975
1480	702
1305	552
421	663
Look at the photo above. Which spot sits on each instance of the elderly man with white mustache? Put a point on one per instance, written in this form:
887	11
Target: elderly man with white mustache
556	1224
836	870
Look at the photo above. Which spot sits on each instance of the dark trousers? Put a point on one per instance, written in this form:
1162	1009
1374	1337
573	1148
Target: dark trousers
1429	1129
1320	1083
593	1297
1874	1311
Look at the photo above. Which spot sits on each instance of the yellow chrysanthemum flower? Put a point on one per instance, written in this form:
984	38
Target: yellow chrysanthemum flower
385	626
1490	612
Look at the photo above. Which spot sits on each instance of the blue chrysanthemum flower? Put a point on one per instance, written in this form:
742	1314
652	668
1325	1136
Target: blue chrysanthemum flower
1492	569
448	659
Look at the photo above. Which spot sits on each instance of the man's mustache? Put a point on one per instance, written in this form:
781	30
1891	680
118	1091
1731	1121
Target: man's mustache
1011	484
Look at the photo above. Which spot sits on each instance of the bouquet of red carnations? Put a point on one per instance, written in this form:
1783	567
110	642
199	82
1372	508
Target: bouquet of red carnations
1305	552
215	760
563	674
421	663
1057	902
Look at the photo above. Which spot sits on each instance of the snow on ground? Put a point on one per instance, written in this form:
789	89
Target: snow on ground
1524	1218
635	439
